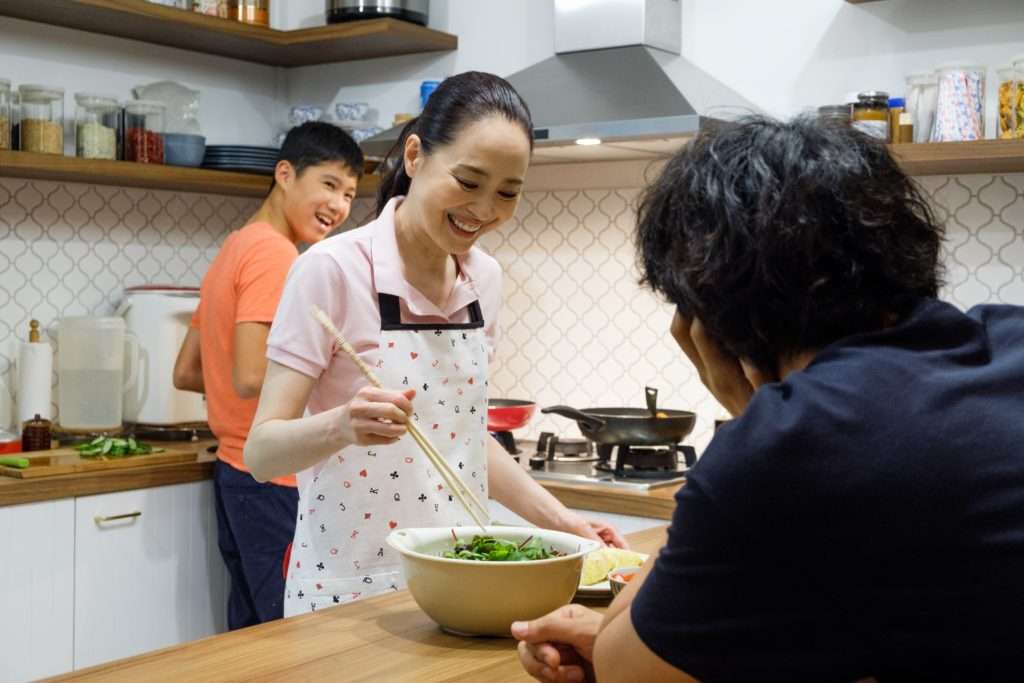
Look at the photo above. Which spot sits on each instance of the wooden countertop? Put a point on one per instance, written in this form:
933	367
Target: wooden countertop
386	638
656	503
17	491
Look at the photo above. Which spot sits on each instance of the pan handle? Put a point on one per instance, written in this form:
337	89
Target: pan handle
652	400
582	418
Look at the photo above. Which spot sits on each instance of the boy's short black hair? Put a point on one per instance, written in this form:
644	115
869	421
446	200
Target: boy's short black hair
316	142
786	237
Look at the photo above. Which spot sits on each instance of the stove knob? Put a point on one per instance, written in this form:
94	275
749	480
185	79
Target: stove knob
537	462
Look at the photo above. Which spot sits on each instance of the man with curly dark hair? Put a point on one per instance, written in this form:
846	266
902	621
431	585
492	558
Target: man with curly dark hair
863	514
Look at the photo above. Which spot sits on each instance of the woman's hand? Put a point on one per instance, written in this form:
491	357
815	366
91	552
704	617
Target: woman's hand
592	528
376	416
723	374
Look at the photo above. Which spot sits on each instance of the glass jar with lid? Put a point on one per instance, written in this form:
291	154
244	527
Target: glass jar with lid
41	128
143	132
834	113
250	11
871	114
960	105
97	126
5	113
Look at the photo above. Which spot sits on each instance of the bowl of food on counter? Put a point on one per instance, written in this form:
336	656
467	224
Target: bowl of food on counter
474	581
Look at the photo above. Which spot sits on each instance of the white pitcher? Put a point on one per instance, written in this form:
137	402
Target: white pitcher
91	380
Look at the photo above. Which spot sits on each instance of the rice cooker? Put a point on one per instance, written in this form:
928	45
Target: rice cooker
415	11
159	318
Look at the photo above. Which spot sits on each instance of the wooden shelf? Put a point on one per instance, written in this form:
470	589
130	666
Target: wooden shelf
151	23
957	158
152	176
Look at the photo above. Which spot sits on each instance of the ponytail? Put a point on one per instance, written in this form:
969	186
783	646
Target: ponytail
395	181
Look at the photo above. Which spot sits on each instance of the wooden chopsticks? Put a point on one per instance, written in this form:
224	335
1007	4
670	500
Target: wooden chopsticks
451	478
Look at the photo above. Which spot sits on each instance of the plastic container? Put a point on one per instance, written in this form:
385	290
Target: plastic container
426	89
143	132
871	114
91	380
97	126
922	91
960	105
1011	100
5	113
41	128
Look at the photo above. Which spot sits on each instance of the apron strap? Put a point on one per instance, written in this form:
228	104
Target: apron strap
391	317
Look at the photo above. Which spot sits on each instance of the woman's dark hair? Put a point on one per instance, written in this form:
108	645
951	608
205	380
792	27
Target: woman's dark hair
785	237
459	101
316	142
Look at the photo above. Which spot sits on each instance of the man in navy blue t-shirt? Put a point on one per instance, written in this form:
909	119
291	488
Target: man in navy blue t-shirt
863	514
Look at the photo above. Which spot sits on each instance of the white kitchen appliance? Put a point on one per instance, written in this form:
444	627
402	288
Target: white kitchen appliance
159	317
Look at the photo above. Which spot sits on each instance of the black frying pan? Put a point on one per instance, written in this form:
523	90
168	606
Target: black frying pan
634	426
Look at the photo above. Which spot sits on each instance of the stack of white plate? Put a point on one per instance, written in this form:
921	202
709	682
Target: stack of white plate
241	158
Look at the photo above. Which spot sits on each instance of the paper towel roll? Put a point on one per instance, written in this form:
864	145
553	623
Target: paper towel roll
35	367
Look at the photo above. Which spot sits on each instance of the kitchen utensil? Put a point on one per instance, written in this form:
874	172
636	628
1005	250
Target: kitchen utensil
68	460
451	478
652	400
415	11
506	414
159	318
483	598
184	150
635	426
91	354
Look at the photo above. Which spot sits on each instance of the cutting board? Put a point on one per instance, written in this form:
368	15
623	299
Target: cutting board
68	461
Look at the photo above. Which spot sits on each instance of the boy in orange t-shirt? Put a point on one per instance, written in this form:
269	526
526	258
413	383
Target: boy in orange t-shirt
224	353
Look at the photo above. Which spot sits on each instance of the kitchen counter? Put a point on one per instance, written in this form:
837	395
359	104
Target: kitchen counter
386	638
656	503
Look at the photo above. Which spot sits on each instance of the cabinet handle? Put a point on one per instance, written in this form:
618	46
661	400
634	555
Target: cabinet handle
113	518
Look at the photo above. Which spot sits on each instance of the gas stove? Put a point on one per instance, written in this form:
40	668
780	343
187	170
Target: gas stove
577	460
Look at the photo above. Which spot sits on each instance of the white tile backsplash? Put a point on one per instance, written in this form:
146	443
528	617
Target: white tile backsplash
576	328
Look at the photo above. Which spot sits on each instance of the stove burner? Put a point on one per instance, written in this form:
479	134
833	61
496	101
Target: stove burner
508	442
645	462
564	449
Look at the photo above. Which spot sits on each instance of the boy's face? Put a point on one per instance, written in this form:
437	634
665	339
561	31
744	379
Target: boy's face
318	200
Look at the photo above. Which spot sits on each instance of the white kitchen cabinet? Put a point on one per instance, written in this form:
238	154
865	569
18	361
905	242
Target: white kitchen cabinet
151	579
36	589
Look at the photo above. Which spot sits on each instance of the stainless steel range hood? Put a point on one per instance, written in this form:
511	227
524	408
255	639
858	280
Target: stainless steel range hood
605	84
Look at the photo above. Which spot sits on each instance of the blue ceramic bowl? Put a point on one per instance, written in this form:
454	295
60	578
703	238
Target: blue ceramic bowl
184	150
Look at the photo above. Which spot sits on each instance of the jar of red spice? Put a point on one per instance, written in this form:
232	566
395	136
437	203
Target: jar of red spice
143	132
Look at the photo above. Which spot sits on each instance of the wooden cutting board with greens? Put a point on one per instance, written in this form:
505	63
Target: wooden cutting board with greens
102	453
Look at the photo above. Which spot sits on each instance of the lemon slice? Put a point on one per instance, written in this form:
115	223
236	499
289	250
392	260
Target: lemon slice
599	563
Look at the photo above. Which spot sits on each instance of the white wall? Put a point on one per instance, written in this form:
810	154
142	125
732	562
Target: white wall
240	102
782	55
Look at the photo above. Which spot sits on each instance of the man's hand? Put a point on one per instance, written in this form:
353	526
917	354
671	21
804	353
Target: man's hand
559	647
720	372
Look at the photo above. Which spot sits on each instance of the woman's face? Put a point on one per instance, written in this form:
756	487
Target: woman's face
470	187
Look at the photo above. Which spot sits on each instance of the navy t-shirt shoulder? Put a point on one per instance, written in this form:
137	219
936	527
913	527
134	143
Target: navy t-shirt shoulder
860	517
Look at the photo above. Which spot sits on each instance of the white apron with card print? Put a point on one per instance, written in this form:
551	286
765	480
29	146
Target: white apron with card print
360	494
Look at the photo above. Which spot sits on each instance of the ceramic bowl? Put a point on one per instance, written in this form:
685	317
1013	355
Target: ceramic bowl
184	150
620	578
483	598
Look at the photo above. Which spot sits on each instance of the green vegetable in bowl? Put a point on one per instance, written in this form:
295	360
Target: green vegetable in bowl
110	447
491	549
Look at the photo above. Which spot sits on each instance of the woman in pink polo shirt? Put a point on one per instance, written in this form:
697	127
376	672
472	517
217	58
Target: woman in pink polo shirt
419	302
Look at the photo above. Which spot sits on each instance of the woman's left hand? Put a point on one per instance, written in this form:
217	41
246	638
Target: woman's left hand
595	529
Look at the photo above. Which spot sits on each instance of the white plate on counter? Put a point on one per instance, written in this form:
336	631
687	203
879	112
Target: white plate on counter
602	589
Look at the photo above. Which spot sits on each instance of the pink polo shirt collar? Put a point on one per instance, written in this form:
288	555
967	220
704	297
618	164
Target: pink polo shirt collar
387	271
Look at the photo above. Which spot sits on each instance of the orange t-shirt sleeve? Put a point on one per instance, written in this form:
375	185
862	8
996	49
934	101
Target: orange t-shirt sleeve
261	277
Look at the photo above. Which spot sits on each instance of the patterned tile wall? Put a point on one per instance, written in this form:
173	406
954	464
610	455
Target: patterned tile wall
576	327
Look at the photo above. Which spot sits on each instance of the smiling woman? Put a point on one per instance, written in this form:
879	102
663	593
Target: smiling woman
418	301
